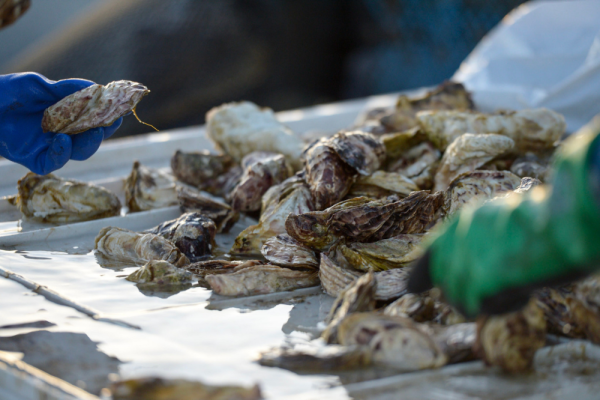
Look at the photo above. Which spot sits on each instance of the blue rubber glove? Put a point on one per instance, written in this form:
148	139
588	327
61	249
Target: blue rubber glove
23	99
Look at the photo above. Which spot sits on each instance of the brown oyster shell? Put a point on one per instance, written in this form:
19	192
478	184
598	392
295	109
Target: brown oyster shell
11	10
361	150
160	272
149	188
93	107
335	278
200	169
261	171
221	213
394	252
51	199
192	233
285	251
321	360
418	164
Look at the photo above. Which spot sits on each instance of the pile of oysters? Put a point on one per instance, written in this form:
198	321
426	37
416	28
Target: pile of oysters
348	212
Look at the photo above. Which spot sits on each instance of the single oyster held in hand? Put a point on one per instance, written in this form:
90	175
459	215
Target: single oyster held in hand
51	199
192	233
124	245
160	272
200	169
93	107
287	252
148	188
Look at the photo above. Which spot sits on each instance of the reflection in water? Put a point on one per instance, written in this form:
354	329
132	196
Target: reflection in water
161	291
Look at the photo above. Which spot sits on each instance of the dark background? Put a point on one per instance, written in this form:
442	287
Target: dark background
196	54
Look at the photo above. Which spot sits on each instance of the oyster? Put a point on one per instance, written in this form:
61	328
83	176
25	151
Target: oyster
384	254
381	184
291	196
328	177
360	150
359	296
260	279
192	233
511	340
160	272
467	153
417	307
527	184
395	341
179	389
124	245
398	143
287	252
455	341
148	188
11	10
51	199
557	312
318	360
391	284
478	186
531	130
239	129
418	164
334	278
588	291
200	169
93	107
261	171
192	201
211	267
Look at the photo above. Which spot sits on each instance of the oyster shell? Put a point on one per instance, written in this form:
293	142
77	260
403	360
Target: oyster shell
124	245
239	129
334	278
424	308
160	272
391	284
51	199
261	171
511	340
531	130
359	296
291	196
395	252
192	201
361	150
559	317
467	153
153	388
398	143
418	164
328	177
381	184
192	233
286	251
395	341
318	360
92	107
455	341
260	279
11	10
148	188
478	186
212	267
527	184
200	169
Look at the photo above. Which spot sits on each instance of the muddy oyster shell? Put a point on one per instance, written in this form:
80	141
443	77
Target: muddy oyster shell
395	252
359	296
418	164
531	130
149	188
261	171
467	153
396	342
154	388
286	251
242	128
192	201
380	184
291	196
511	340
328	177
361	150
92	107
477	186
51	199
200	169
192	233
160	272
124	245
260	279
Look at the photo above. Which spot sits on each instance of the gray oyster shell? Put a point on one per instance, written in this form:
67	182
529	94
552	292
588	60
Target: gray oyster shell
201	169
287	252
361	150
222	214
160	272
148	188
419	164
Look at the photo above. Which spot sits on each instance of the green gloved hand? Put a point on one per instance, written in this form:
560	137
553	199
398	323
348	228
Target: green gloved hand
489	259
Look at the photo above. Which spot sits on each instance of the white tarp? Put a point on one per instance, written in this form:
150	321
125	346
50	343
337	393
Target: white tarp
542	54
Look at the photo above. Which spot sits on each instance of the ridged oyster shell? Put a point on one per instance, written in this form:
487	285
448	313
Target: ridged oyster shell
160	272
193	201
287	252
149	188
139	248
381	184
361	150
200	169
92	107
51	199
418	164
395	252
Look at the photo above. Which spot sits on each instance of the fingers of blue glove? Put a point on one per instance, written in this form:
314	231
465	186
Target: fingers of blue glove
55	157
419	279
110	130
67	87
85	144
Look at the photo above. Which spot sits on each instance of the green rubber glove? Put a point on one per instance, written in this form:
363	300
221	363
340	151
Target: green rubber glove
489	259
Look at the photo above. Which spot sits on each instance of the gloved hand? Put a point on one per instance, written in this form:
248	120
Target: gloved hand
23	99
489	260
